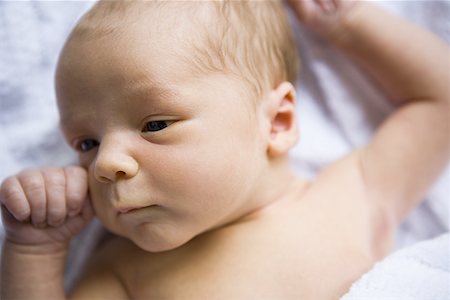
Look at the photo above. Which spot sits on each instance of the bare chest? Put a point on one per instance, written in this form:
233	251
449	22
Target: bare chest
288	256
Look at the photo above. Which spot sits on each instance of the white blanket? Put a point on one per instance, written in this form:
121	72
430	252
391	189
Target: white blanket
338	107
419	272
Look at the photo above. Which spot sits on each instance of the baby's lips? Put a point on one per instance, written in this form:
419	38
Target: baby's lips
127	209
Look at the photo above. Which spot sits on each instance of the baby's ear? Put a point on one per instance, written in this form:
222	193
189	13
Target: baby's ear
283	123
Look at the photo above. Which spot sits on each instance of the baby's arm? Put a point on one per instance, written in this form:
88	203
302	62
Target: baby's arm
411	147
42	210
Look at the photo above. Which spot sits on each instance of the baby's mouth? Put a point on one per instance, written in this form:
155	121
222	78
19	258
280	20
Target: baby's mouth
129	209
125	200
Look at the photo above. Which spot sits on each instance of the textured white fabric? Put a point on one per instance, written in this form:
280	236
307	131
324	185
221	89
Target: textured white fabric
418	272
338	107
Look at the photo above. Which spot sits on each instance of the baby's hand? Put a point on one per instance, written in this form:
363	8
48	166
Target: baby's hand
45	207
323	16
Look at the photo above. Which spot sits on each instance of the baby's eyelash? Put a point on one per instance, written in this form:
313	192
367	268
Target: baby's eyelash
153	126
87	145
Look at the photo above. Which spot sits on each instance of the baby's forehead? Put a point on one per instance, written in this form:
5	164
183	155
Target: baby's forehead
163	17
247	40
161	28
125	35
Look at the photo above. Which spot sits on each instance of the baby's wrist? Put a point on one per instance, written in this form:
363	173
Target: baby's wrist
349	22
32	271
48	249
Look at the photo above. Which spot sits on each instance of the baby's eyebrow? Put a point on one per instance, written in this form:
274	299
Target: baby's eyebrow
141	92
68	122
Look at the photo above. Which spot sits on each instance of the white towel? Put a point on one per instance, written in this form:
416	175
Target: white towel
419	272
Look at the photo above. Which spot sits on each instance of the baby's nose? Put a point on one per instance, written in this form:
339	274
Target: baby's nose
113	162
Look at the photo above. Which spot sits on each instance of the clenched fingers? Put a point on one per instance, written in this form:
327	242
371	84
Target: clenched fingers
13	198
33	185
55	187
76	189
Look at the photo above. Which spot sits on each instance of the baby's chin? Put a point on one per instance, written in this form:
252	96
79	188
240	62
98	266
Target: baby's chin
153	241
158	246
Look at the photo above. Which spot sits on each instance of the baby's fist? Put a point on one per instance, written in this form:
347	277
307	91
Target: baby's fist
45	206
323	16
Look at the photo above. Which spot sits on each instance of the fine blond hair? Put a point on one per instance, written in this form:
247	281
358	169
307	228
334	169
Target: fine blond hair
250	40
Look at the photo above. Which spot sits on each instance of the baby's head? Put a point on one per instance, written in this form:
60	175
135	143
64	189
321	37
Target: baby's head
251	41
182	112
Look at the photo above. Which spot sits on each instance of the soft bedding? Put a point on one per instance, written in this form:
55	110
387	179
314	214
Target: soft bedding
420	271
338	108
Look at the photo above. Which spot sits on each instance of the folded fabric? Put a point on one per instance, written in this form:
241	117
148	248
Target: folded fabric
419	272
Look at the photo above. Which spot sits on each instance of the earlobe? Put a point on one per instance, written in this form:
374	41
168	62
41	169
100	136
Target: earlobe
283	126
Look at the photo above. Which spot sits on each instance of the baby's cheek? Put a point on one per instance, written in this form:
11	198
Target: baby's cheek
219	177
99	197
85	160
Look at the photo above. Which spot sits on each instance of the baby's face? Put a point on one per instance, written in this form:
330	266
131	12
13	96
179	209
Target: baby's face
169	155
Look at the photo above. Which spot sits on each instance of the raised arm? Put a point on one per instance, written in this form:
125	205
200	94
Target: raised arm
411	147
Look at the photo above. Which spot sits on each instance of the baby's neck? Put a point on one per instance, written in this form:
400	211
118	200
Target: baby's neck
287	194
276	190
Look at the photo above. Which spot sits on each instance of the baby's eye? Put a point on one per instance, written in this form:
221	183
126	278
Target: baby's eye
156	125
87	144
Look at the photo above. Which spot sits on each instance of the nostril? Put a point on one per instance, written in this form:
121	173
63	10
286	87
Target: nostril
121	174
113	163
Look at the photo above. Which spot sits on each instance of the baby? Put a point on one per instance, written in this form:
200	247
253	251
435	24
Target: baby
183	114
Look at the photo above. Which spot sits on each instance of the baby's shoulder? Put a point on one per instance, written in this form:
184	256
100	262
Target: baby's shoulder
340	193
